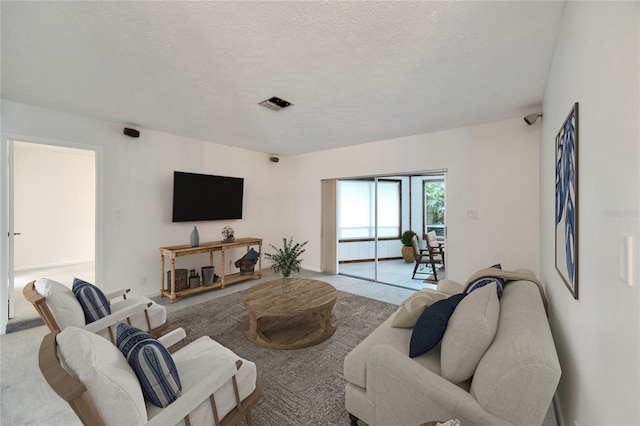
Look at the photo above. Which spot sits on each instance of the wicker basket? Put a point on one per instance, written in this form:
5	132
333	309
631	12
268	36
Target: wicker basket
182	280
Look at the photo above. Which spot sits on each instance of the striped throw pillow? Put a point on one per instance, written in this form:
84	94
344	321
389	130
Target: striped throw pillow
93	301
152	363
483	281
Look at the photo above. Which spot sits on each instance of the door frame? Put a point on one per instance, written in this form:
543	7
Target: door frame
329	253
6	206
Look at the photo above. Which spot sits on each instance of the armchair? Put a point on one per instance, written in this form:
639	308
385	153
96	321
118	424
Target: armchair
421	257
218	387
436	250
59	308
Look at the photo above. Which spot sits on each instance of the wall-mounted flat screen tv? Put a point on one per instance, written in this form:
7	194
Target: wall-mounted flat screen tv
206	197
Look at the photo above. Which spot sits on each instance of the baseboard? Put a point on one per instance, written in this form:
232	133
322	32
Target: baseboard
52	265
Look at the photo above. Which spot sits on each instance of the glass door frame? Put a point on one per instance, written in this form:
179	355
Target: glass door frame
415	201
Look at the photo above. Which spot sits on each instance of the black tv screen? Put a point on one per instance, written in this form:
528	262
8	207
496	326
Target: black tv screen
206	197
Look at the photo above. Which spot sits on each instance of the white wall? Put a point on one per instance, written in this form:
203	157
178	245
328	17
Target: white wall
596	64
54	205
137	181
492	168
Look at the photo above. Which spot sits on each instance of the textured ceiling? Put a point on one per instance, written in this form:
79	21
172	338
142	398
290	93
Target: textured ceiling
355	71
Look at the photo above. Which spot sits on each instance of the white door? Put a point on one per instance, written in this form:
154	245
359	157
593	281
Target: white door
51	210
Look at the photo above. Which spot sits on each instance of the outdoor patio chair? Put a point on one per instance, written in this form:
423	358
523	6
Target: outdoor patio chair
59	308
94	377
421	257
436	250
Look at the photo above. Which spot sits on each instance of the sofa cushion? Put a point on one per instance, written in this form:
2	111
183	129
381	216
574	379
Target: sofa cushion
92	300
355	363
199	358
62	303
469	333
432	324
152	363
518	375
411	309
112	386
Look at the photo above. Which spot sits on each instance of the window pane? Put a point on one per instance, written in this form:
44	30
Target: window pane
356	202
434	206
355	219
388	209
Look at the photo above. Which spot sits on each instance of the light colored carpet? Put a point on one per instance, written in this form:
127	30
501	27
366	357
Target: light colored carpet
302	386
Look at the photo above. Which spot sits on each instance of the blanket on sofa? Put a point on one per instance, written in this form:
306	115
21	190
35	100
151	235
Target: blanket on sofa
508	276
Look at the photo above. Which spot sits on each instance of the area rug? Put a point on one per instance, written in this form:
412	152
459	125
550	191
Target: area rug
301	386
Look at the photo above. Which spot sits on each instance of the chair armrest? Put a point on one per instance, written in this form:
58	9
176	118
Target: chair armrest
189	400
119	292
405	392
173	337
130	309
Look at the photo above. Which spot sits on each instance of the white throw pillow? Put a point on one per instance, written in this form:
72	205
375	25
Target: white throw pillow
62	303
411	309
112	386
469	333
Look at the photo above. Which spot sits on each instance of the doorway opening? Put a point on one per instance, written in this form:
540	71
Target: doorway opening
53	203
372	213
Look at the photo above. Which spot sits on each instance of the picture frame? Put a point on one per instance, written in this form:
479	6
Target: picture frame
566	205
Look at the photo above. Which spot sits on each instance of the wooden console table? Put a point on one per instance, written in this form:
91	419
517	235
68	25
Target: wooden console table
174	252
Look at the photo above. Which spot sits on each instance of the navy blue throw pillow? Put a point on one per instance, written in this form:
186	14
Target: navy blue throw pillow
432	324
152	363
481	282
93	301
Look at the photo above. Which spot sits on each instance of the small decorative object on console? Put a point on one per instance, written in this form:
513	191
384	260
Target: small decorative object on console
194	238
247	262
227	233
208	275
194	279
182	280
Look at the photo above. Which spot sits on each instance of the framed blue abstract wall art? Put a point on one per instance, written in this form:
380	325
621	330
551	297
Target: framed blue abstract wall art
566	250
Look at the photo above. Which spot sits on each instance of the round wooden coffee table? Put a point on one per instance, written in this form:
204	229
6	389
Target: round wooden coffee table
300	318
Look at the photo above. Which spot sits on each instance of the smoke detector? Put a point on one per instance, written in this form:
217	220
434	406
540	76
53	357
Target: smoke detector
275	103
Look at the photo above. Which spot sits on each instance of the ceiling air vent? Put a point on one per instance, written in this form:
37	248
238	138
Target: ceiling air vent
275	103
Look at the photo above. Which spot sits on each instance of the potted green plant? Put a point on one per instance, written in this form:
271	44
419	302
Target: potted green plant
285	260
407	246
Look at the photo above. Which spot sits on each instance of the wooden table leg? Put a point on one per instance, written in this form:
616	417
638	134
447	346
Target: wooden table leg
172	297
161	275
253	326
222	273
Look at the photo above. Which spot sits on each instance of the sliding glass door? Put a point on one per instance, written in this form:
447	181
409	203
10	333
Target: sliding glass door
369	224
372	214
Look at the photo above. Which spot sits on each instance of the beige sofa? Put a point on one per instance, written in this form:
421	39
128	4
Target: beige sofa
513	383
